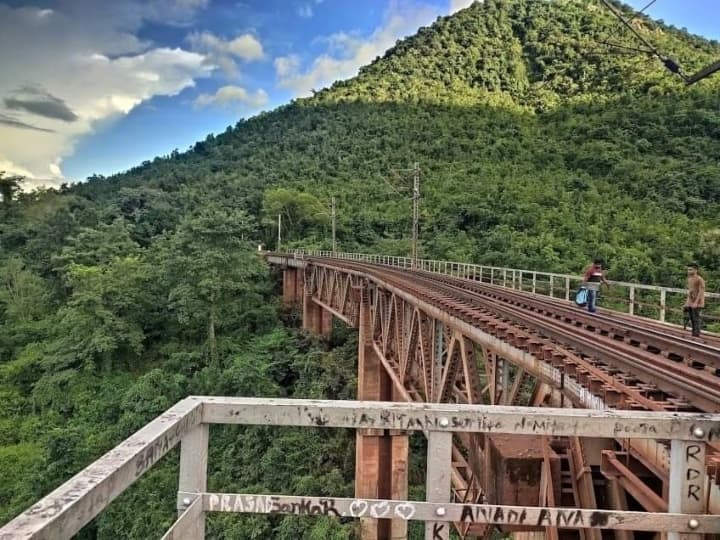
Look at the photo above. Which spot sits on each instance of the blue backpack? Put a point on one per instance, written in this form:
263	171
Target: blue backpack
581	297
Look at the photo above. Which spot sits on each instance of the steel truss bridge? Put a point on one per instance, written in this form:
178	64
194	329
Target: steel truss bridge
541	420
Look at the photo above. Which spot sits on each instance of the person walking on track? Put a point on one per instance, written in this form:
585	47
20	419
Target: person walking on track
594	276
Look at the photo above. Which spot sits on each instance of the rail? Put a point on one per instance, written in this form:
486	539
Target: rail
651	301
71	506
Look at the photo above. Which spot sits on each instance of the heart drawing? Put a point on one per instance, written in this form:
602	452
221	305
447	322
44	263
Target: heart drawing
358	508
405	511
379	510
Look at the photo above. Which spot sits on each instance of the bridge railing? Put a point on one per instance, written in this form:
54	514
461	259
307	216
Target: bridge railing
663	304
66	510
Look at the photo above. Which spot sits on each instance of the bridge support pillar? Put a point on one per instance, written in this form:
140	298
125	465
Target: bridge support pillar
311	315
326	319
299	285
290	286
381	465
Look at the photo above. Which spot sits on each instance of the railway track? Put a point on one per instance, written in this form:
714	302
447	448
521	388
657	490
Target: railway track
627	363
683	364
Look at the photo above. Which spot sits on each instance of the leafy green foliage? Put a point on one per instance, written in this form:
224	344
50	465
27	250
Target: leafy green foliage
539	148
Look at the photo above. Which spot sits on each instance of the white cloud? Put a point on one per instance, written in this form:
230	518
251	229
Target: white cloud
305	11
12	169
228	95
347	53
224	53
77	66
287	65
457	5
246	47
55	169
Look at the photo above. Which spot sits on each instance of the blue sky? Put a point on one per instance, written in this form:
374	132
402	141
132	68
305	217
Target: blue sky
101	86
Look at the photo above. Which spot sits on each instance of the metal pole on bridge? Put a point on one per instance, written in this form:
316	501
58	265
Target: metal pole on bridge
416	214
333	215
279	235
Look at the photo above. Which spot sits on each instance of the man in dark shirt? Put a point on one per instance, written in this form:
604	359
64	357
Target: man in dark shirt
695	297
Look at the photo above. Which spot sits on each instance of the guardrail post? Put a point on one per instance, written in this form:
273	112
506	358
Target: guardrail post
688	475
534	281
662	305
193	475
631	309
504	277
567	288
439	455
552	286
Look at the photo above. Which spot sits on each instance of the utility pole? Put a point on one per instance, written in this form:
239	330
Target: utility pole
333	216
416	214
415	206
279	234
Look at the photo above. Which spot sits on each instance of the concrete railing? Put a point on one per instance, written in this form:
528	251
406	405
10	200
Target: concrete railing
663	304
66	510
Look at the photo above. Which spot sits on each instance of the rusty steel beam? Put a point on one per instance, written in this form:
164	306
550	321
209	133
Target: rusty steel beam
612	467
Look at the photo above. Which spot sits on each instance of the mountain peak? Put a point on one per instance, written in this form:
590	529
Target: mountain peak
527	53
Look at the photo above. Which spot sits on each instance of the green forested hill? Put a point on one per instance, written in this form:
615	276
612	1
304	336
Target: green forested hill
539	146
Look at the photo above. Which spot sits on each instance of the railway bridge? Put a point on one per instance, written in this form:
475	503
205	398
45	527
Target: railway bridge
452	333
541	420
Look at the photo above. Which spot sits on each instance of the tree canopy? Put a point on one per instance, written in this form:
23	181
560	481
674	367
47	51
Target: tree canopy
539	148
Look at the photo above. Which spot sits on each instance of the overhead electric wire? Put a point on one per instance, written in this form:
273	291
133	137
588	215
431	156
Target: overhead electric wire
647	6
668	62
626	47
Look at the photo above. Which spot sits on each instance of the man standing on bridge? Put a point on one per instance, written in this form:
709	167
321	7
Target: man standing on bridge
695	297
594	277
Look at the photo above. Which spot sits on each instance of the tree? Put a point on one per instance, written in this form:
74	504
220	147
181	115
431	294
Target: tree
102	323
23	295
9	187
211	272
301	211
97	246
